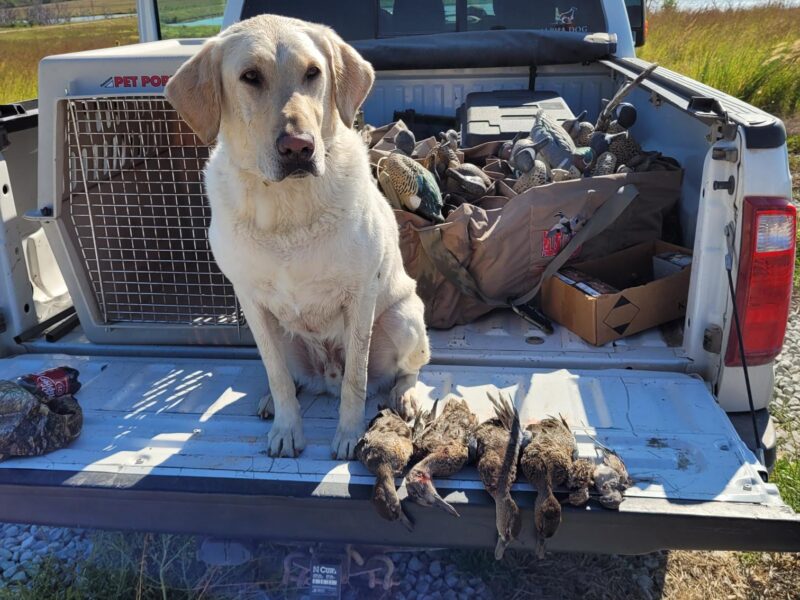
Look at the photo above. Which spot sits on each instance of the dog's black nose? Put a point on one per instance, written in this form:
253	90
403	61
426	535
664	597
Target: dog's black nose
295	148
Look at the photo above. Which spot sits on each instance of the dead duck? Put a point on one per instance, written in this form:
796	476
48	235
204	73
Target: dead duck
580	480
385	450
611	479
498	442
441	443
412	186
546	462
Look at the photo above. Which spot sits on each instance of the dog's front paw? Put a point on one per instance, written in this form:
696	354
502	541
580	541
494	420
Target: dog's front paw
266	406
345	440
404	401
286	438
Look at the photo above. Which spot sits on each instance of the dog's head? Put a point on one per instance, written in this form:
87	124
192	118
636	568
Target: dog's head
274	89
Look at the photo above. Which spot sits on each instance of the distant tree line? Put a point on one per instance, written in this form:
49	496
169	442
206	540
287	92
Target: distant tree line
38	12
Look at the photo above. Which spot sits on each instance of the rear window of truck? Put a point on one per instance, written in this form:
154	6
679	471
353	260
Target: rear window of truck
370	19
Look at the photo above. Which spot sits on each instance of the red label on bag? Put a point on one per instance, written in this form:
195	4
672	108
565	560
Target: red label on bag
553	241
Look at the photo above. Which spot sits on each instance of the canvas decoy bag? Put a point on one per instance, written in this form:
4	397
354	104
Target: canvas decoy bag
496	251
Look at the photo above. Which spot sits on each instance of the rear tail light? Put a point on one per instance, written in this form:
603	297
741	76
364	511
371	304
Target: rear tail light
764	284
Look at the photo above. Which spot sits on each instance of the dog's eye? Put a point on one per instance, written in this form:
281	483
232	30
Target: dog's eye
251	76
312	73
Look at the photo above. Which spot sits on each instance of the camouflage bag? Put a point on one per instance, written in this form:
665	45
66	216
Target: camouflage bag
32	426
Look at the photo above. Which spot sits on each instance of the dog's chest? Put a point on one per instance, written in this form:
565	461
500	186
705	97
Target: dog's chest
301	290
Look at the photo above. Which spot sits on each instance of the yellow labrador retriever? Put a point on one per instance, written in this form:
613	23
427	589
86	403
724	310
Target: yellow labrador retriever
298	224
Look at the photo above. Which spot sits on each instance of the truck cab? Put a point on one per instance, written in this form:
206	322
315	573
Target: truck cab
105	218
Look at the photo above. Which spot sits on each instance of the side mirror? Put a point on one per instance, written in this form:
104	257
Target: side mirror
636	16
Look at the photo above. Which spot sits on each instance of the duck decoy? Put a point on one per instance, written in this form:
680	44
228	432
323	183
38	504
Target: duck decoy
624	148
625	115
443	157
441	444
507	147
449	137
606	164
522	149
565	174
607	113
536	176
405	141
385	450
579	129
469	181
413	186
611	479
601	141
498	441
557	156
546	461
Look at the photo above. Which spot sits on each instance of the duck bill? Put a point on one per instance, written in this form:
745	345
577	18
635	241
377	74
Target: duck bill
444	505
403	518
539	547
500	548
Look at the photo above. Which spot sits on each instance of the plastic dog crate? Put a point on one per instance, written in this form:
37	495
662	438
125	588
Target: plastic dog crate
121	194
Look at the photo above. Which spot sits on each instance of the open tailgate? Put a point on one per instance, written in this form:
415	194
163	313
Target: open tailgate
174	446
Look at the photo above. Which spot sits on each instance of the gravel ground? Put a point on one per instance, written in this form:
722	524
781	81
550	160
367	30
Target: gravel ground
24	547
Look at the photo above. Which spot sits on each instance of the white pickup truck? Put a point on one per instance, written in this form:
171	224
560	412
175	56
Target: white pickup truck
103	210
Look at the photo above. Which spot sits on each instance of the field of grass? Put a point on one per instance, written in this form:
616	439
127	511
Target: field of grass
76	7
22	49
753	54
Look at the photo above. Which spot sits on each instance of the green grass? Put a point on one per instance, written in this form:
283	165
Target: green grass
179	11
753	54
22	49
786	476
75	7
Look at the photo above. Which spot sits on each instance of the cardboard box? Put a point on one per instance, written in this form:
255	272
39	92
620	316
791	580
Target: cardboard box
642	302
668	263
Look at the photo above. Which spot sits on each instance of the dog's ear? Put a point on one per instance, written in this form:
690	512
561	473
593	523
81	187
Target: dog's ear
195	91
352	77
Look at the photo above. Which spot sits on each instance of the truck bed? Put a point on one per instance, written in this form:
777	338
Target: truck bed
173	445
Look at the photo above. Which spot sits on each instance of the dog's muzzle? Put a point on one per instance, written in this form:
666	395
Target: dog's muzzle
296	152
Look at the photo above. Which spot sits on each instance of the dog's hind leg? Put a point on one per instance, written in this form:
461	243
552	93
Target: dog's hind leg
401	349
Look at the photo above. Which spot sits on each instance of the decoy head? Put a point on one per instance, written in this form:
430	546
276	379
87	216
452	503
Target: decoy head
626	115
508	522
419	486
571	125
546	519
387	502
